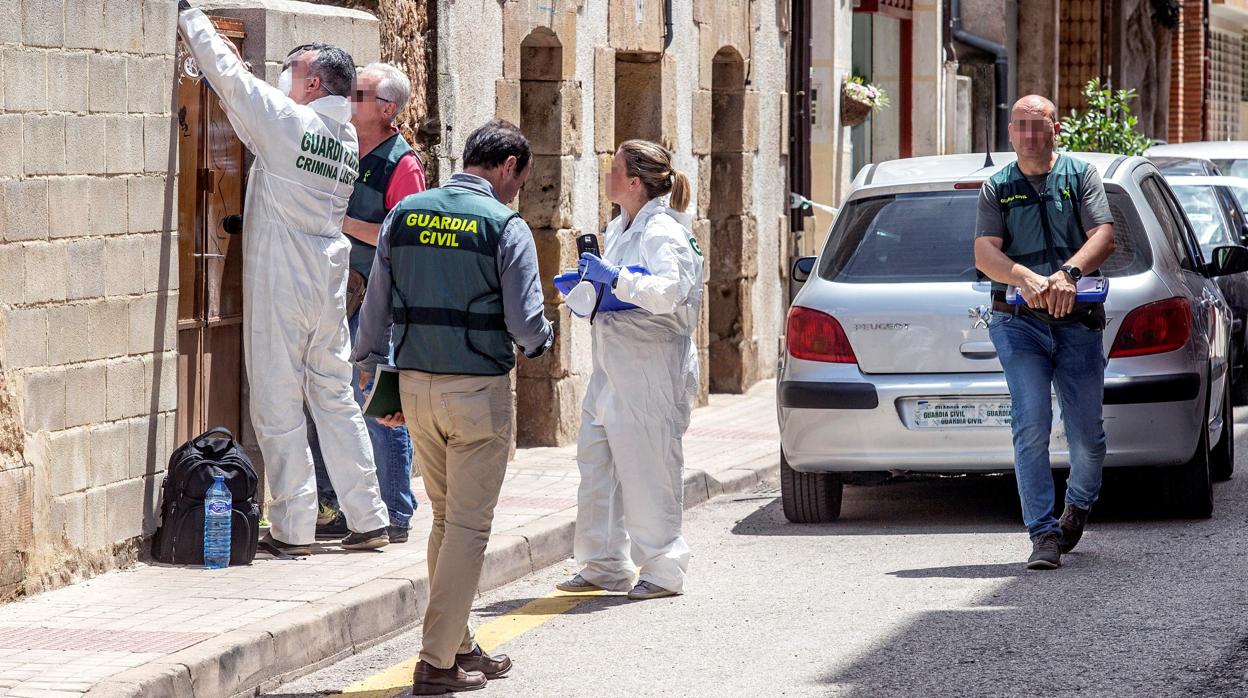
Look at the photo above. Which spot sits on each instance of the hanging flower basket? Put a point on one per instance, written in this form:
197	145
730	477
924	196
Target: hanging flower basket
859	99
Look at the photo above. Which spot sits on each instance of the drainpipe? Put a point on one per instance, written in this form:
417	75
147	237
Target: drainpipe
668	34
1001	71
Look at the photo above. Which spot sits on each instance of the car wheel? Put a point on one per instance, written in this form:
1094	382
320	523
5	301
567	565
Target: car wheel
1222	460
810	497
1189	486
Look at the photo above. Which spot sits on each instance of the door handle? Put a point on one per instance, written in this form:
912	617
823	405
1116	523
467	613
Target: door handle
208	255
980	351
232	224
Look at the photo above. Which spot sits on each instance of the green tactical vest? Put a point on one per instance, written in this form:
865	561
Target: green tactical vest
446	292
1040	236
368	198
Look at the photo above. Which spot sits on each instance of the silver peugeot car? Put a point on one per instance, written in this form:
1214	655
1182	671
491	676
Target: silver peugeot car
888	365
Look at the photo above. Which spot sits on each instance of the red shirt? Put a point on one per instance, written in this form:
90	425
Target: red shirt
407	178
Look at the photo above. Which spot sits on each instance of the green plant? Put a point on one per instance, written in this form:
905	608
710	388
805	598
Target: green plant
1107	126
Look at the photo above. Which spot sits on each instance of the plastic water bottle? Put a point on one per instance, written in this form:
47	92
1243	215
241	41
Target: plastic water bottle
218	510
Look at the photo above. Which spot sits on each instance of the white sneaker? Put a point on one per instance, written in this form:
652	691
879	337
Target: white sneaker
645	591
578	584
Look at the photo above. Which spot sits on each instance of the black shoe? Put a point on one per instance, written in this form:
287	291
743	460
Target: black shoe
366	541
428	680
478	660
397	534
336	528
1046	551
1073	520
290	549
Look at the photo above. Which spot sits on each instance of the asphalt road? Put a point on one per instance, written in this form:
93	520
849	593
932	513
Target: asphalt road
919	591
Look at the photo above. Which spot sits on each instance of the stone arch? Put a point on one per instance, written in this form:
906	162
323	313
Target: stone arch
732	257
548	108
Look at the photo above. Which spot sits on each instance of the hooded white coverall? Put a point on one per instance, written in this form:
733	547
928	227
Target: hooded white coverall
636	409
295	259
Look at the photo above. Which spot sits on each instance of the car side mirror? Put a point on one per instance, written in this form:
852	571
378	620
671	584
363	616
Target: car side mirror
1229	259
1243	236
803	267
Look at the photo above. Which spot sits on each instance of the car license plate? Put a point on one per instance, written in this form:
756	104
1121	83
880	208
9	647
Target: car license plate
958	414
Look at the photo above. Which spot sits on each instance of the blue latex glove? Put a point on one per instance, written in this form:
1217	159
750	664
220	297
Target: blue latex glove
597	269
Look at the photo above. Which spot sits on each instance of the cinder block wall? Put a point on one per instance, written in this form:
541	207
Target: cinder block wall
88	266
88	282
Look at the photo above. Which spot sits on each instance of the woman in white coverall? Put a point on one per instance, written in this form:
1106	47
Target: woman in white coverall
295	261
645	377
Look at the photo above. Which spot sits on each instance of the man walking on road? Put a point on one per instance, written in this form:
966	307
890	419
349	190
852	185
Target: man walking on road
1043	223
389	171
294	280
455	281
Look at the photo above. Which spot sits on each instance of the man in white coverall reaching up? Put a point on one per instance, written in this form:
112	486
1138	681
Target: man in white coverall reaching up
295	262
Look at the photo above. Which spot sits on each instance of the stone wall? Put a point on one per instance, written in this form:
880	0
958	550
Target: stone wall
89	266
88	360
579	76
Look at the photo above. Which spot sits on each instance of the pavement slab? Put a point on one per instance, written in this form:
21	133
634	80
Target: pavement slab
169	631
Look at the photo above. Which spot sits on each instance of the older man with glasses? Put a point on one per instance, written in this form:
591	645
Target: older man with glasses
389	172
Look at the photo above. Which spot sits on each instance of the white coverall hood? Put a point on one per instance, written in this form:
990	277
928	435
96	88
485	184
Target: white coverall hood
295	261
637	405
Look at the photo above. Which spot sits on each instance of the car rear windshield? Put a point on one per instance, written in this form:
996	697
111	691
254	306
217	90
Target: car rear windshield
1232	167
930	236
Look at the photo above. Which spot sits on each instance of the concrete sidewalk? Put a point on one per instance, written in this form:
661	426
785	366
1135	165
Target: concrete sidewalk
158	630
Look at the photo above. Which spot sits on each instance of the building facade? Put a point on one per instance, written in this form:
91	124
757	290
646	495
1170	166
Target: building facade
120	291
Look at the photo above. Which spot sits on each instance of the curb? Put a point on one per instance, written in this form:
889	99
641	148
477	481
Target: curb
263	655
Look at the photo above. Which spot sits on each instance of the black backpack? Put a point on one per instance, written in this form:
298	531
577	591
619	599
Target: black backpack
180	538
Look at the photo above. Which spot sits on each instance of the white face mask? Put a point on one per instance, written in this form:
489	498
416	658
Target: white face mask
285	81
581	299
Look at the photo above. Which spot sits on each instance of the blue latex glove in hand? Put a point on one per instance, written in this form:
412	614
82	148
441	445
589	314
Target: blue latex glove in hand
595	268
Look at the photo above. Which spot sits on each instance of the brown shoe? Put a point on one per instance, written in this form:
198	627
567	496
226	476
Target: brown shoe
428	680
1074	518
478	660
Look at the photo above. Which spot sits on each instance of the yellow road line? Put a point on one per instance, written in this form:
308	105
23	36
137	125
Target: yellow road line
398	678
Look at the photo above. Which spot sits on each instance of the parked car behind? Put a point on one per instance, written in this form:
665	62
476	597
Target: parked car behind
1217	218
888	364
1198	167
1230	157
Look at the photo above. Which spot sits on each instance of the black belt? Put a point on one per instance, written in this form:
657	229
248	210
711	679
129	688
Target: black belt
1003	307
450	318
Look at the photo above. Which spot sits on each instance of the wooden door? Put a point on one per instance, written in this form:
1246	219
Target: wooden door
210	256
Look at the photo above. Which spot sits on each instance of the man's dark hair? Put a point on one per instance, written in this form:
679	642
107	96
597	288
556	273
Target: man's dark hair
491	145
335	68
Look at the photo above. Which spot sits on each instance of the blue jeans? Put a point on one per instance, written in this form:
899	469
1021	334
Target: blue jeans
1038	357
392	451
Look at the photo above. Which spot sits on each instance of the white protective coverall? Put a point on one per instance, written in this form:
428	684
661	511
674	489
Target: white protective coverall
295	260
636	409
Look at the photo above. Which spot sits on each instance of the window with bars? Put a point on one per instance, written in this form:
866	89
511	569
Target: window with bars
1226	84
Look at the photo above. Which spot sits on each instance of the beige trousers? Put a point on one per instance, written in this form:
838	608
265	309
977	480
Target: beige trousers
461	429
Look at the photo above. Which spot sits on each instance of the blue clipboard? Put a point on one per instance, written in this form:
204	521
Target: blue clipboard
1090	289
566	281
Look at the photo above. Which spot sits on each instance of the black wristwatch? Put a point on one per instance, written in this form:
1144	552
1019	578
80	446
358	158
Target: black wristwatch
1073	272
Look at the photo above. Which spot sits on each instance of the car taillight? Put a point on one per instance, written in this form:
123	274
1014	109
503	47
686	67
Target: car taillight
816	336
1155	328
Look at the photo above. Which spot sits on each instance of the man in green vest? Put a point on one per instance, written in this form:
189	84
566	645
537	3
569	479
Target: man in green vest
455	286
1043	223
389	171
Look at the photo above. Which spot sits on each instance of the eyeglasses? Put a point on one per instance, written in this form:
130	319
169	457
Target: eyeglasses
361	95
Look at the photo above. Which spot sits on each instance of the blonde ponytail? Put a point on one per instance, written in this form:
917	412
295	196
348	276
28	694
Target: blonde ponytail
652	164
680	191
